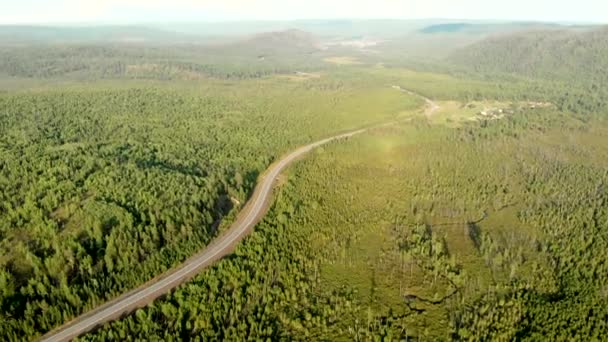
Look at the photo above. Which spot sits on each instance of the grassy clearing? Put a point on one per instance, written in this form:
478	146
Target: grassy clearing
372	192
455	113
300	76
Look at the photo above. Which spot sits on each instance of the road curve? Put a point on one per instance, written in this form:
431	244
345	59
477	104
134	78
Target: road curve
251	214
431	106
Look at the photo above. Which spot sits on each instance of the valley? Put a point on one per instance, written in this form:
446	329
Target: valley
308	180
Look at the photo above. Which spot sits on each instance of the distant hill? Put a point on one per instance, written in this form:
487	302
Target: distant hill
438	40
443	28
572	54
111	52
16	34
291	39
484	28
379	28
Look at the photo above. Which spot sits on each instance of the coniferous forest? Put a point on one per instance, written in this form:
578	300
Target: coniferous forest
474	208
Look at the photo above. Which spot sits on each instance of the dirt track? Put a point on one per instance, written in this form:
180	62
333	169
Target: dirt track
431	106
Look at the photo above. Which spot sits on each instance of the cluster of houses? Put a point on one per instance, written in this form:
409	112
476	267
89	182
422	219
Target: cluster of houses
495	113
499	113
534	105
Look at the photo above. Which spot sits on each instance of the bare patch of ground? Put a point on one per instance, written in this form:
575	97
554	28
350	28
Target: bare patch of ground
299	76
431	106
342	60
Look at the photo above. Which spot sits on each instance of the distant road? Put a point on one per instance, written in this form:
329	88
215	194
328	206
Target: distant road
225	244
431	106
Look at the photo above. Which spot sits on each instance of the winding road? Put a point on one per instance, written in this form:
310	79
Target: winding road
225	244
431	106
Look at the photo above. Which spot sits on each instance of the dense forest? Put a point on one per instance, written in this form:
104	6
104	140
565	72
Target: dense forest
91	62
416	231
576	55
251	57
485	220
104	188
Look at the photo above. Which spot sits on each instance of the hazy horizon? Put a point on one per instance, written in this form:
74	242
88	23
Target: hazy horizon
100	23
115	12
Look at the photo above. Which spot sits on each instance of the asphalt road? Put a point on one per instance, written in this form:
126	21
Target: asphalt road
251	214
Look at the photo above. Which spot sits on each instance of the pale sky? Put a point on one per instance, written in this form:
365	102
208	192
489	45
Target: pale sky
134	11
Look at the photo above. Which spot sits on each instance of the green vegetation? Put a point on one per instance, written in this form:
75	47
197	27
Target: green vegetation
495	230
106	187
566	54
572	61
118	162
183	62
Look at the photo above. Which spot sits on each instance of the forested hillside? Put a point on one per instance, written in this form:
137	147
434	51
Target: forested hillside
284	41
482	29
178	59
576	55
91	62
